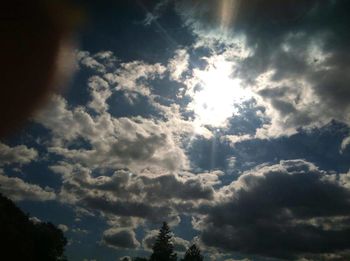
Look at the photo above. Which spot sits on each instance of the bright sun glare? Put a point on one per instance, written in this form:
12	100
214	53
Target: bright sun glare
218	96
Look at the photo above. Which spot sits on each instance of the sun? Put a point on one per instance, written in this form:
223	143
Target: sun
218	94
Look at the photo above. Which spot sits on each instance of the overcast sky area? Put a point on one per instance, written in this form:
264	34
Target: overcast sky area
228	119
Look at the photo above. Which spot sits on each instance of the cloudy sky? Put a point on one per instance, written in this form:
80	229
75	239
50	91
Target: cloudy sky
228	119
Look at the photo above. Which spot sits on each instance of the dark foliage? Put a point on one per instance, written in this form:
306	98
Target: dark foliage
139	259
21	239
163	249
193	254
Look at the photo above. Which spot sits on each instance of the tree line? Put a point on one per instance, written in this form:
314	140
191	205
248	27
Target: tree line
23	239
163	249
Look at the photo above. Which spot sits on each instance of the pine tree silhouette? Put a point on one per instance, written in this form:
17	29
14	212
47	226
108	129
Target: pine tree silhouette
163	248
193	254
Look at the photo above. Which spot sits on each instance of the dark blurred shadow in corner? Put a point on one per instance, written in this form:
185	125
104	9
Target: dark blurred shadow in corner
36	55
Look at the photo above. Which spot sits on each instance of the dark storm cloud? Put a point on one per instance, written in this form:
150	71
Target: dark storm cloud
284	210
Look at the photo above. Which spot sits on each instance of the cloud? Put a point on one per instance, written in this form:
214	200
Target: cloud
99	62
152	17
20	154
35	220
178	64
100	92
345	143
134	143
125	199
149	240
132	78
125	258
79	230
233	139
63	227
120	238
132	171
180	244
297	62
124	184
123	221
108	142
18	190
124	208
285	210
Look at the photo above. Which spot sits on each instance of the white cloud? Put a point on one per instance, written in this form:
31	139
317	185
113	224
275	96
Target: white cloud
35	220
134	143
79	230
19	190
63	227
344	144
100	92
85	59
132	78
233	139
178	64
20	154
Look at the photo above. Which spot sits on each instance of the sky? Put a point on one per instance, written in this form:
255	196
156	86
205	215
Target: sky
227	119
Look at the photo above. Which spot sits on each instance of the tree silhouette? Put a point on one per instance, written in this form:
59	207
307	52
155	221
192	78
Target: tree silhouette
193	254
163	248
21	239
139	259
